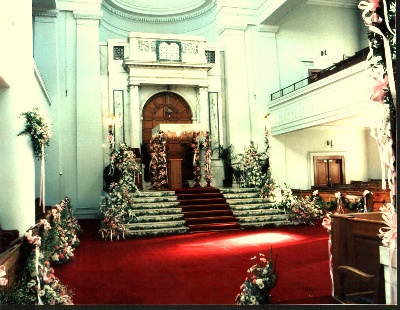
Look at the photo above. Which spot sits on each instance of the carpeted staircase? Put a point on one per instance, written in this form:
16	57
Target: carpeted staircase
205	209
192	210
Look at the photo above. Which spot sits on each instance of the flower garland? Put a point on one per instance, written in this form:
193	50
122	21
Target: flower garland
327	224
196	161
261	279
380	18
37	125
158	163
36	284
207	159
115	211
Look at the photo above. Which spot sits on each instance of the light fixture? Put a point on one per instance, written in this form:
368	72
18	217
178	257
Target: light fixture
168	112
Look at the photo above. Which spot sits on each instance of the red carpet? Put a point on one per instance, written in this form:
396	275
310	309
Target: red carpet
203	268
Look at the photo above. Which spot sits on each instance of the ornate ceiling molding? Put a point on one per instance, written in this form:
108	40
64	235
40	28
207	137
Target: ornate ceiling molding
127	9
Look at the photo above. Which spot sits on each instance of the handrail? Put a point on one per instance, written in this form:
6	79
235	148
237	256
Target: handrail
344	64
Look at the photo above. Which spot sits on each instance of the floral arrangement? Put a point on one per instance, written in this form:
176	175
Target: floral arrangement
250	168
69	223
56	246
115	211
158	163
36	284
380	18
261	279
207	159
196	162
303	210
37	125
269	184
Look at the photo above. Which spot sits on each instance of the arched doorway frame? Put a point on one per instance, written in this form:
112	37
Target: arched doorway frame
178	146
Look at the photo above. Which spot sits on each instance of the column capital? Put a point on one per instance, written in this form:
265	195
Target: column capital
268	28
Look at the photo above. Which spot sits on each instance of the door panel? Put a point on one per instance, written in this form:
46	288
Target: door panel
329	170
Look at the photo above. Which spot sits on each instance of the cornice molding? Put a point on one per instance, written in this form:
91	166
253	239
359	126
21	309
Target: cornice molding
45	13
87	15
232	27
268	28
159	19
350	4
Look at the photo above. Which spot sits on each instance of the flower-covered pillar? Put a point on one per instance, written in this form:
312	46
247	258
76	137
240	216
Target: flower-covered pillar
380	18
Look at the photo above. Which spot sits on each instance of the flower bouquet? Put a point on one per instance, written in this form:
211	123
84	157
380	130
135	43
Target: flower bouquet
260	280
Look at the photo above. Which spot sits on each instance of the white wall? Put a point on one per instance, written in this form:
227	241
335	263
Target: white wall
310	29
291	154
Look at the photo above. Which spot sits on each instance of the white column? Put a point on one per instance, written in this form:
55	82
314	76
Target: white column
89	113
135	123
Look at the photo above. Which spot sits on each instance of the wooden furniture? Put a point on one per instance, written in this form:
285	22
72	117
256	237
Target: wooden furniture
357	273
175	174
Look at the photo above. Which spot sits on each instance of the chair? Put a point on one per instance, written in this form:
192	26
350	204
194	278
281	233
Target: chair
370	282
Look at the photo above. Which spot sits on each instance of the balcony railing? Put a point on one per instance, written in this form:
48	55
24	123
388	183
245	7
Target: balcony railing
344	64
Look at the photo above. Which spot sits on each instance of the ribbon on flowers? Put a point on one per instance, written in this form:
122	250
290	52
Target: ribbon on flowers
3	280
42	178
389	237
326	223
36	242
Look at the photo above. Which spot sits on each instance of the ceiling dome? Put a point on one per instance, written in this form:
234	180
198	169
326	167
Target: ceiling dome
161	8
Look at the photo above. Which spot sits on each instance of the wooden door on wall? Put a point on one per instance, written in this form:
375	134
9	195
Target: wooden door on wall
167	108
329	170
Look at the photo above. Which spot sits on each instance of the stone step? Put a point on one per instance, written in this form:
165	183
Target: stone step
253	206
154	225
256	212
263	218
246	201
165	211
157	232
154	205
241	195
154	199
153	194
239	190
156	218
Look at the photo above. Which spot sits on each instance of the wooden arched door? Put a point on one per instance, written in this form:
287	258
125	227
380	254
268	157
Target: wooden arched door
167	108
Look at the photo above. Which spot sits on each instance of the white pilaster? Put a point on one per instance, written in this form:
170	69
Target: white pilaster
204	108
135	130
89	112
237	107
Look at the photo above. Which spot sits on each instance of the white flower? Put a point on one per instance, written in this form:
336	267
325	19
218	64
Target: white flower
315	193
337	195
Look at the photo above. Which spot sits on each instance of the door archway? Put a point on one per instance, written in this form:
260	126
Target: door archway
167	108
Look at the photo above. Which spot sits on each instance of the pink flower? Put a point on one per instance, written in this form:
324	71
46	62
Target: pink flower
379	87
3	280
